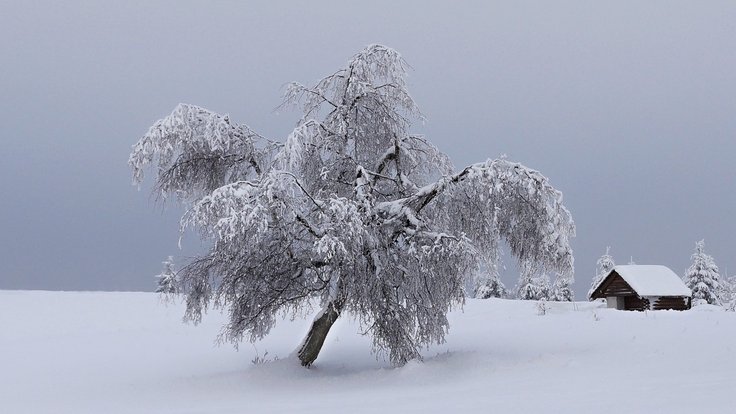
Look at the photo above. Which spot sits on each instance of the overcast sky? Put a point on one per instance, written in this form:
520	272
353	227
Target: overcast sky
627	106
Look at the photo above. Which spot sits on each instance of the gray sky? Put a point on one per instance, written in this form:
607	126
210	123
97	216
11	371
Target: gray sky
627	106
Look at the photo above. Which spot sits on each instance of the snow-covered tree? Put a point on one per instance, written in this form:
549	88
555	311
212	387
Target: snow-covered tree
731	286
562	289
703	277
525	288
542	307
726	289
603	267
533	288
491	287
352	210
167	281
544	286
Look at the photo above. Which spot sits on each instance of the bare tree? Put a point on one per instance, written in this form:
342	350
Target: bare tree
352	210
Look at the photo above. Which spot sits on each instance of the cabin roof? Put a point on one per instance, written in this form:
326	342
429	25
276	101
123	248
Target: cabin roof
652	280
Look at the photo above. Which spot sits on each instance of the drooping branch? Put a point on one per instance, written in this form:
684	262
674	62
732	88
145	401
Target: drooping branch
529	212
196	151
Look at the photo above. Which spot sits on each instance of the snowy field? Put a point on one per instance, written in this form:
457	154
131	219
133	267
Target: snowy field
126	353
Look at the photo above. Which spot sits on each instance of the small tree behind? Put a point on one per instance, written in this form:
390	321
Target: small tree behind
489	285
526	289
603	267
544	286
533	288
167	280
562	289
731	283
703	277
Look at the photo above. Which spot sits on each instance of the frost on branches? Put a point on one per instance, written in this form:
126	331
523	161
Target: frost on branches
489	285
352	211
703	277
603	267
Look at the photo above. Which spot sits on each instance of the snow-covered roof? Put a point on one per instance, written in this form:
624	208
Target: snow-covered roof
653	280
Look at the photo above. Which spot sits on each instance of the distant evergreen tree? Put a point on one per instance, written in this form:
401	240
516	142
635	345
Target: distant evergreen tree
731	288
167	280
725	291
526	289
603	267
491	287
544	287
703	277
562	290
533	288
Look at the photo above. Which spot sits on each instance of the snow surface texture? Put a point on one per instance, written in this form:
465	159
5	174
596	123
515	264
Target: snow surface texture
653	280
125	353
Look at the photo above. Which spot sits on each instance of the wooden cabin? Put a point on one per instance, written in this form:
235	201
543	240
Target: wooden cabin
643	287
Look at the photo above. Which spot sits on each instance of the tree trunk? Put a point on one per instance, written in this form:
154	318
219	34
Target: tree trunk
312	344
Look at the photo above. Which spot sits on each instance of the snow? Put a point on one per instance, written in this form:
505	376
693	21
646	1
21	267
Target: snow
653	280
68	352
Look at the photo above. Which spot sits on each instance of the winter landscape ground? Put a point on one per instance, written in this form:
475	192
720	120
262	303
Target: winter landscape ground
70	352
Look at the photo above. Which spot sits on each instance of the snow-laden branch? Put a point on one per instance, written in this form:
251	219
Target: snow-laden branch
196	151
529	213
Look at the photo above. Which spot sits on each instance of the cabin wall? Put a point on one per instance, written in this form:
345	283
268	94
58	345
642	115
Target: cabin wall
670	302
636	303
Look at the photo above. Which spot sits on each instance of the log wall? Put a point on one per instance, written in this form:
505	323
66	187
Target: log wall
671	302
636	303
614	285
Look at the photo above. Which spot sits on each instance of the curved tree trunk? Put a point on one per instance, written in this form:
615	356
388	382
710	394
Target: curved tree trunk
312	344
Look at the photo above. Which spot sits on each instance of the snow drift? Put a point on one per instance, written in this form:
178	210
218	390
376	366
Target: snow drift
126	353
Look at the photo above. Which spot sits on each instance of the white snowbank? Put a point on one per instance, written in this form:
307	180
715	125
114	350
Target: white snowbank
125	353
